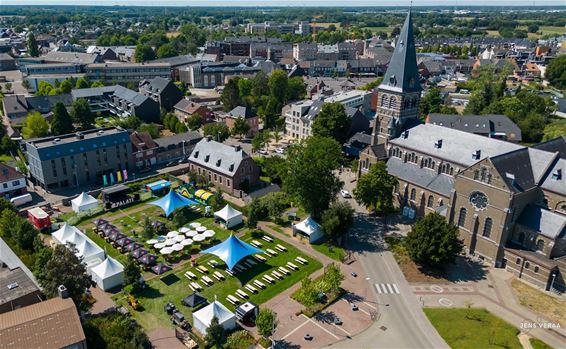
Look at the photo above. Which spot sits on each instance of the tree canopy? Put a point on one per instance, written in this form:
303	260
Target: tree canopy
374	189
337	220
218	131
433	242
61	121
215	333
556	72
82	114
332	121
241	127
311	180
34	126
144	53
33	49
266	322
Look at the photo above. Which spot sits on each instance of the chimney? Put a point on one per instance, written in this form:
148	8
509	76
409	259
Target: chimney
62	291
237	148
208	138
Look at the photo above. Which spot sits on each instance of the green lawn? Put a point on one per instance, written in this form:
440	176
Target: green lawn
538	344
159	292
5	158
334	252
374	30
468	328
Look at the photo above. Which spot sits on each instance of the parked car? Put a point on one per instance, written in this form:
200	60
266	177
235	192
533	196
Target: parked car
170	308
345	194
337	321
178	319
22	199
280	151
262	151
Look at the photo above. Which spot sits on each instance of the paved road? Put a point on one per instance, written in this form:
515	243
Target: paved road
401	323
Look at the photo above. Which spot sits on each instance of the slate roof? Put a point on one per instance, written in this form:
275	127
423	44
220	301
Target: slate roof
142	141
543	221
557	144
177	60
191	137
217	156
555	179
424	178
187	106
478	124
402	74
70	57
457	146
242	112
133	97
43	104
157	84
93	91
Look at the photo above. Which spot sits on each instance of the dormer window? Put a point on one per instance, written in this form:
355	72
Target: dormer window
206	158
196	154
438	144
231	168
218	162
557	175
476	155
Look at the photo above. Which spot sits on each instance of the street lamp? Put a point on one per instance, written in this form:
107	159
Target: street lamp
552	282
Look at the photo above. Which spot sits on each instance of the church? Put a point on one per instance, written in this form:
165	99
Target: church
508	201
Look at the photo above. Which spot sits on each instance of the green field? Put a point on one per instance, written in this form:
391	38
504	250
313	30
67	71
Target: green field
473	328
386	30
334	252
175	285
538	344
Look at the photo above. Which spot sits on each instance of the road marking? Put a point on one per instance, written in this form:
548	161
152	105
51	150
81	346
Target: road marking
322	328
387	288
295	330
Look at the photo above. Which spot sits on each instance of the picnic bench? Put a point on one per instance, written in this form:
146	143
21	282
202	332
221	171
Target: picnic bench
268	280
281	247
207	280
202	269
259	284
256	243
229	272
190	275
260	258
271	252
230	300
242	294
301	260
219	275
284	271
196	285
250	288
213	263
251	261
292	266
277	275
234	299
267	238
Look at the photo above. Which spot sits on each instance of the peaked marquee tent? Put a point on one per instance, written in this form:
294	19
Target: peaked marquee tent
65	233
232	250
83	202
89	251
310	228
203	317
172	201
230	216
108	274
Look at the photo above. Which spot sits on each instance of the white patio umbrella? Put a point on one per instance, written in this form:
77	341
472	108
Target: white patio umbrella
172	234
169	242
201	229
166	250
184	230
187	242
151	242
191	233
177	247
208	233
199	238
159	245
195	224
179	238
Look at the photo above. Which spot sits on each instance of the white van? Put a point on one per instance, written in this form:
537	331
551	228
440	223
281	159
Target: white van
22	199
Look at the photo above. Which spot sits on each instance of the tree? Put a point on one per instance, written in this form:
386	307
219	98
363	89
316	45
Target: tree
81	114
131	122
33	49
34	126
374	189
218	131
114	330
332	121
431	102
42	257
433	242
333	276
556	72
194	122
152	129
148	229
260	84
266	322
25	84
17	229
215	333
65	268
230	97
143	53
132	272
97	83
311	179
532	28
7	205
296	89
82	83
260	140
241	127
66	86
8	86
61	122
278	82
337	220
167	50
307	294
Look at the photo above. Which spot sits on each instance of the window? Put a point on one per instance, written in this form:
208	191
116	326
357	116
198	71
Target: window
518	261
536	269
384	101
5	185
487	227
540	245
393	103
413	194
462	217
396	188
430	201
527	265
15	183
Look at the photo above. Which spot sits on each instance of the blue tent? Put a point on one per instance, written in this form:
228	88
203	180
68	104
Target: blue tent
173	201
232	250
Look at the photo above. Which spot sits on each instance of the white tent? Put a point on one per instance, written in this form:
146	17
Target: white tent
310	228
230	216
108	274
203	317
89	251
65	233
83	202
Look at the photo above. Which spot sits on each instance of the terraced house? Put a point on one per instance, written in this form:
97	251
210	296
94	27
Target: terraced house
508	201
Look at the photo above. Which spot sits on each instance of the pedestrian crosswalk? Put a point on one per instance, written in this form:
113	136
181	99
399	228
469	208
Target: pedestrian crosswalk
387	288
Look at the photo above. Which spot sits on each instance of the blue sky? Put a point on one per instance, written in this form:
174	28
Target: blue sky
293	3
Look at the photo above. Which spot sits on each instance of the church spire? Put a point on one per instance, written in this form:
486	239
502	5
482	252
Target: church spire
402	75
